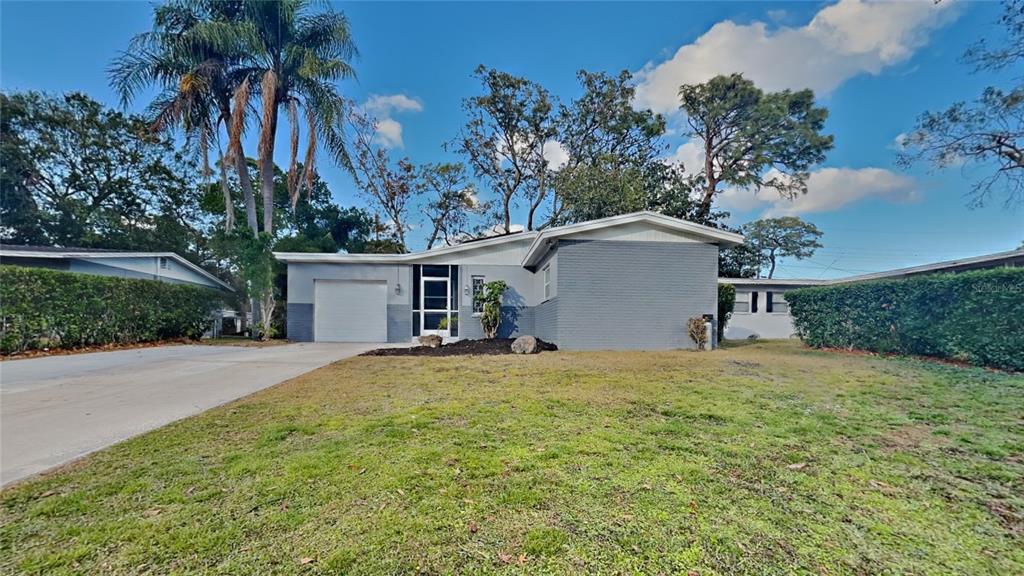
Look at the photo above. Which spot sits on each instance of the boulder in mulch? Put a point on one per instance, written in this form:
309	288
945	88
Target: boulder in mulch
525	345
431	341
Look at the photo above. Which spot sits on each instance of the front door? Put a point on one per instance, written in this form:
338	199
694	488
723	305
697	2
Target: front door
436	316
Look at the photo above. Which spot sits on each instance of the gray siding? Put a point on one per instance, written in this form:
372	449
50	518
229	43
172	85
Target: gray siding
632	295
48	263
300	322
302	275
515	321
399	323
545	321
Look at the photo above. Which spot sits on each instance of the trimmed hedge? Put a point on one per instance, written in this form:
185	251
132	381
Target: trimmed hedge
51	309
977	316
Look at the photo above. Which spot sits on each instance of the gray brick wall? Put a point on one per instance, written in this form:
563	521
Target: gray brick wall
300	322
632	295
515	321
545	321
399	323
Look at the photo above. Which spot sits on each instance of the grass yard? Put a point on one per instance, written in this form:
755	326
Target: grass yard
766	458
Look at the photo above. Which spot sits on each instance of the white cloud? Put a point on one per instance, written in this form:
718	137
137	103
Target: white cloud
382	107
828	189
690	155
555	154
389	133
842	40
386	104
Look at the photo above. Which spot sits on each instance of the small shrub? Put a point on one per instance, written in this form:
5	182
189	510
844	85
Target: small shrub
490	297
698	332
51	309
970	316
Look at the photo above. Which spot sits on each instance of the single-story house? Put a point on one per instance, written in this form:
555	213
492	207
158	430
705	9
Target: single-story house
761	310
161	266
625	282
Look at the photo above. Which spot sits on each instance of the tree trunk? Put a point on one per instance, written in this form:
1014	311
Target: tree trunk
508	215
229	206
771	270
242	168
541	193
266	148
704	210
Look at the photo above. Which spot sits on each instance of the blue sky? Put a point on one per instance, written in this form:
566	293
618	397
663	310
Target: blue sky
875	67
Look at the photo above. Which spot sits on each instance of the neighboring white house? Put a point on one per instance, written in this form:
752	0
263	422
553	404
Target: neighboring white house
161	266
762	312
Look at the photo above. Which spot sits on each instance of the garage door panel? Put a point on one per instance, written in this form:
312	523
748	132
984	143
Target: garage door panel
350	311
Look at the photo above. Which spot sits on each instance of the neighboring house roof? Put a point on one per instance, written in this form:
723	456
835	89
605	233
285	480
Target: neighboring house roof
13	251
1008	258
771	281
538	246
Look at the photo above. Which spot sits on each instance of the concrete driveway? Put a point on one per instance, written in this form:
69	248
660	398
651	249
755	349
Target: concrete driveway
56	409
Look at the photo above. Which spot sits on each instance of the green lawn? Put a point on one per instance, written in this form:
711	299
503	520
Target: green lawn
759	459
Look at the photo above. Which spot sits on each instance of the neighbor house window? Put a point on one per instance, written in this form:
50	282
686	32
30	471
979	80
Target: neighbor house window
163	263
741	305
779	304
478	288
753	302
547	282
768	302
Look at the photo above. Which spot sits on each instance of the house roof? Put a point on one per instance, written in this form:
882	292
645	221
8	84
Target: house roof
12	251
538	239
542	242
1008	258
313	257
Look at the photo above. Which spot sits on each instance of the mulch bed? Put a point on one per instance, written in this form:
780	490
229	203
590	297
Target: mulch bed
492	347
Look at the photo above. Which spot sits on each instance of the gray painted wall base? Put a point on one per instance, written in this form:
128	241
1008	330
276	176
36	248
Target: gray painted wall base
300	322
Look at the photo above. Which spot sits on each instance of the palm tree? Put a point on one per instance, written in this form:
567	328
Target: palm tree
297	55
202	87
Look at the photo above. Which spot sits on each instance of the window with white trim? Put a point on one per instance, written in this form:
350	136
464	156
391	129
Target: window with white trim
478	288
164	265
547	282
778	303
742	304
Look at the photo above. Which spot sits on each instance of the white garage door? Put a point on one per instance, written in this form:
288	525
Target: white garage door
350	311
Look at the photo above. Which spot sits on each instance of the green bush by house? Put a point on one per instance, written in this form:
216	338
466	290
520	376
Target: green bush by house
51	309
976	316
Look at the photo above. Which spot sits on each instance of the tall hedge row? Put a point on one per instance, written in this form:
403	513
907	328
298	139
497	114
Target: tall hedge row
974	316
50	309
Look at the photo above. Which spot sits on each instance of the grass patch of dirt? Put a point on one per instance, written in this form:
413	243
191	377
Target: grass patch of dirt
768	458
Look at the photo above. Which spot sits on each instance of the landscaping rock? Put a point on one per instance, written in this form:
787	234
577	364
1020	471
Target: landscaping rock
433	341
525	345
